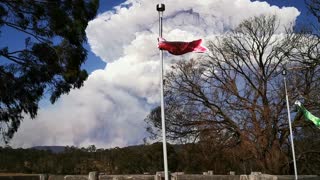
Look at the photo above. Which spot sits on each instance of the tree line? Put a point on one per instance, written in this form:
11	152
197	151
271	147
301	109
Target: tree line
189	158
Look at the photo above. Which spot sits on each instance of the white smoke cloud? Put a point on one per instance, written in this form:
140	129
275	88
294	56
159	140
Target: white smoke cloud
109	110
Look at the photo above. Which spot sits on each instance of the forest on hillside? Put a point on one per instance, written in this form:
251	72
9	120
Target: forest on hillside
189	158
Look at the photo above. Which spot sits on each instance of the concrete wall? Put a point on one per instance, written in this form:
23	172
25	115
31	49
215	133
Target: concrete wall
75	177
205	177
304	177
174	176
125	177
277	177
55	177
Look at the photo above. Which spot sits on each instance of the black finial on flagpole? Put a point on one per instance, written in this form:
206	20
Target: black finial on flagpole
160	7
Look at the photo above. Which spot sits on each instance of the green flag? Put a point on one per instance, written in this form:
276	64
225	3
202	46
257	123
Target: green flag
308	114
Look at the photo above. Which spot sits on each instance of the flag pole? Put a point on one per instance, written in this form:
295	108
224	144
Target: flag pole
284	73
160	9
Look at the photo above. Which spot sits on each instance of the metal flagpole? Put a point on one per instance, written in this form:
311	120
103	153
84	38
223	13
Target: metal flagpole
284	73
160	9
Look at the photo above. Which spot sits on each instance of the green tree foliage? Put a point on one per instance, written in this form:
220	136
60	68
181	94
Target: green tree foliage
51	59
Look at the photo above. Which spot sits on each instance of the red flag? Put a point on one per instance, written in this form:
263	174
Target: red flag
179	48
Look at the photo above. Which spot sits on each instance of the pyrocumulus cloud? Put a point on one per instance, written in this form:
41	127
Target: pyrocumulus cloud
109	110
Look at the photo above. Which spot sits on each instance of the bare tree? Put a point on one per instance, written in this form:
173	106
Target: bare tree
235	96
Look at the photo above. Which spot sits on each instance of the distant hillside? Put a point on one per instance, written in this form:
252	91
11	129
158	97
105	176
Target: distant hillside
54	149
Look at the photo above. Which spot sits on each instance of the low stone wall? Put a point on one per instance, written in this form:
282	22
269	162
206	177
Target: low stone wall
126	177
75	177
304	177
158	176
55	177
277	177
205	177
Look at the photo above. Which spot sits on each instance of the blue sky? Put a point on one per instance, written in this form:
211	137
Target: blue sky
93	62
109	109
304	18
